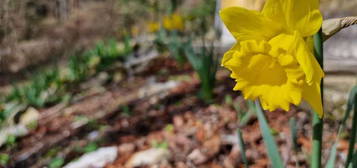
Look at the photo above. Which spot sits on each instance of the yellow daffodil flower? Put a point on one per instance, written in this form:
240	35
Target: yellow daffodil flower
153	27
174	22
272	59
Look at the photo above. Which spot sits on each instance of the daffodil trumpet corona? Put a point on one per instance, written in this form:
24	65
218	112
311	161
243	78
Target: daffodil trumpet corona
273	58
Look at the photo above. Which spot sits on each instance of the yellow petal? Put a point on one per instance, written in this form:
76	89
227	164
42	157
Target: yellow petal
310	24
228	55
297	47
295	94
312	94
301	15
273	10
230	3
249	4
275	97
284	41
248	25
308	62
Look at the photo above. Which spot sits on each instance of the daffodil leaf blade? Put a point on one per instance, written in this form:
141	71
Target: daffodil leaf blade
351	104
332	159
269	141
242	148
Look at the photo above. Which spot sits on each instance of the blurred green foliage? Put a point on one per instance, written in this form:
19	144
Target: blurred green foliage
126	111
351	160
53	86
44	89
90	147
56	162
177	48
205	63
161	145
10	141
201	18
4	159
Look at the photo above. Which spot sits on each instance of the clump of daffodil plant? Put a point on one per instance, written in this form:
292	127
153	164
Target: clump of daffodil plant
205	63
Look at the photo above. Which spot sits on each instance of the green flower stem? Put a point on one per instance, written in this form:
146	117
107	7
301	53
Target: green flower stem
317	141
317	121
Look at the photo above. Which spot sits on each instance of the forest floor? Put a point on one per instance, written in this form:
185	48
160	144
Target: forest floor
157	111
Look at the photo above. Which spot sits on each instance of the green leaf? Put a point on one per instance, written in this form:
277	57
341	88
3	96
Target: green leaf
4	159
177	48
293	130
332	159
90	147
354	160
228	100
126	111
268	138
333	152
160	145
205	63
56	163
192	57
10	140
242	148
245	116
352	104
